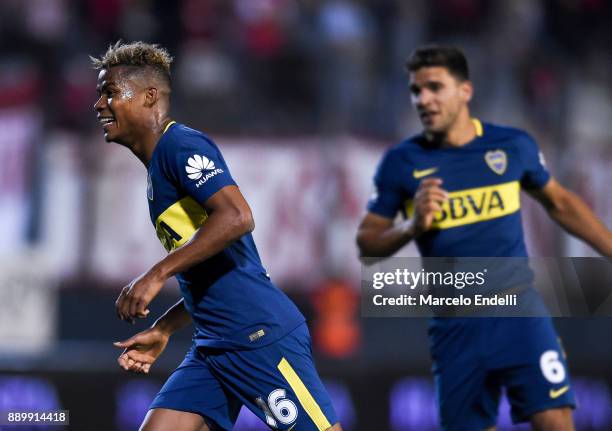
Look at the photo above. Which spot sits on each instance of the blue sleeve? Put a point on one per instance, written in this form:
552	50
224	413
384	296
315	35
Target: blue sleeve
535	175
388	196
195	164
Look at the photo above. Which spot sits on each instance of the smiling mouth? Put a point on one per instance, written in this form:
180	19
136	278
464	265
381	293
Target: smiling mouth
105	121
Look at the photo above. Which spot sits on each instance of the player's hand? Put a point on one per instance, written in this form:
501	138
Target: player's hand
136	296
428	201
142	350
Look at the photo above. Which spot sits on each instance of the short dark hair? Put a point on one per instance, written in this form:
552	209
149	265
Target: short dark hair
450	57
140	55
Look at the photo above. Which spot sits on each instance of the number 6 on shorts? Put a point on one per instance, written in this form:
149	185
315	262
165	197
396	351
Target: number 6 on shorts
552	368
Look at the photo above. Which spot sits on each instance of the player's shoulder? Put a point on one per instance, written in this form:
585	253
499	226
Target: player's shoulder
405	150
180	137
495	133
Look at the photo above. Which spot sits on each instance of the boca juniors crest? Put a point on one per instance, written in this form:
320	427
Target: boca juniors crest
497	160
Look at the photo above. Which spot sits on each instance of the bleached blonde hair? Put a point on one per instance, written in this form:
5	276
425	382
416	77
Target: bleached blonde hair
138	54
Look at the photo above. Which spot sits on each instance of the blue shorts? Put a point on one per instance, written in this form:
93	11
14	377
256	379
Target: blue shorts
277	382
474	358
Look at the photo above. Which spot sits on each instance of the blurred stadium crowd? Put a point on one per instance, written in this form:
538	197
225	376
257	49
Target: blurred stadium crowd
271	66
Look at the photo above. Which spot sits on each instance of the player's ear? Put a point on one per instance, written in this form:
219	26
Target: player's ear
467	90
151	96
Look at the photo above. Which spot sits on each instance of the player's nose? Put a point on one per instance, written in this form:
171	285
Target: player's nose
424	98
99	105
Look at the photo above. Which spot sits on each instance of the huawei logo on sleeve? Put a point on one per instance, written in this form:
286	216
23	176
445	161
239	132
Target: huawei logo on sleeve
196	164
201	168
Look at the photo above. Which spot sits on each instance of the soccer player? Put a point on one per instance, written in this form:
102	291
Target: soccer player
251	345
457	185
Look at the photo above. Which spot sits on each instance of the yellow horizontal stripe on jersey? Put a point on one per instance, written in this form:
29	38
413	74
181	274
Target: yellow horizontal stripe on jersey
177	224
303	395
470	206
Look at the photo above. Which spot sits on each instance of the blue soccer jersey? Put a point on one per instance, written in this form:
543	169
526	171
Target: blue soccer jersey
230	297
484	178
474	357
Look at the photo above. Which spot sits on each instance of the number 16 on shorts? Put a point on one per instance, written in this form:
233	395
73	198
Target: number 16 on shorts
278	408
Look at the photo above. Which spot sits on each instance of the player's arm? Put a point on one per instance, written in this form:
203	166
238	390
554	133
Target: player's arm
229	217
141	350
378	236
574	215
174	319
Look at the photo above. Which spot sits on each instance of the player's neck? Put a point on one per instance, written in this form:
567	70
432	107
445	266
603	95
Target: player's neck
461	133
144	145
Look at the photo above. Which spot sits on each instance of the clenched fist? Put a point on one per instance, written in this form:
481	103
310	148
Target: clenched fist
428	201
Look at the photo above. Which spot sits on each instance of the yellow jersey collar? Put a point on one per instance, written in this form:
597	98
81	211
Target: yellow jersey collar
478	127
168	126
